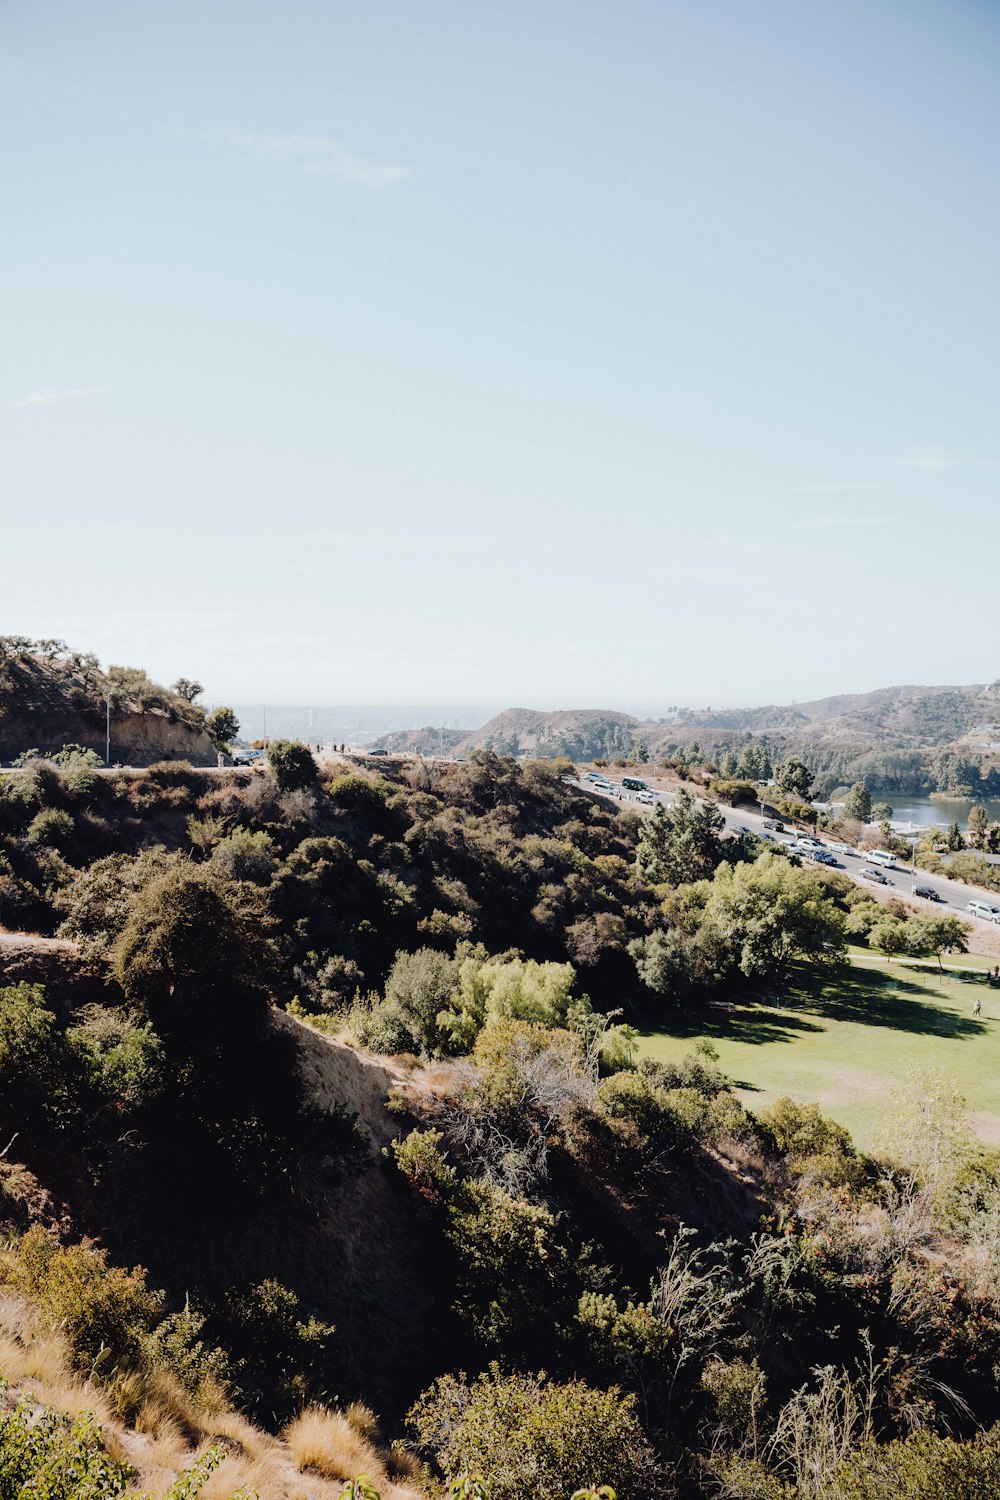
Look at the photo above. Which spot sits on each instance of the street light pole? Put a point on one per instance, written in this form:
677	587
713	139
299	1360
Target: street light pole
107	729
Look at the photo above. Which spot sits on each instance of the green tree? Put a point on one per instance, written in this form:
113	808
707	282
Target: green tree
977	825
890	935
769	912
680	843
755	760
931	935
292	766
641	752
222	726
194	961
858	803
794	778
881	812
187	689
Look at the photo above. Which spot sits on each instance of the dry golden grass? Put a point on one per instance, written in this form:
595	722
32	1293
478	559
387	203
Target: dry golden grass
328	1443
151	1424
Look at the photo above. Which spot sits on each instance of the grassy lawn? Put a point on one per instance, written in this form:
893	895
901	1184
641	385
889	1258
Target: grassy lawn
844	1040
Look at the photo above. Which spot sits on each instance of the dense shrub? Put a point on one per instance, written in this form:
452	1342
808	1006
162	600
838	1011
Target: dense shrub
292	766
97	901
39	1079
52	826
924	1467
527	1435
247	856
194	961
122	1056
105	1312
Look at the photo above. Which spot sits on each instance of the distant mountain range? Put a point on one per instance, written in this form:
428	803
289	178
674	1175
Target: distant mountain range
901	718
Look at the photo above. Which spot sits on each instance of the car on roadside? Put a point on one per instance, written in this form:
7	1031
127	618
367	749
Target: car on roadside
808	841
775	824
927	892
842	849
741	829
876	876
645	797
822	857
985	910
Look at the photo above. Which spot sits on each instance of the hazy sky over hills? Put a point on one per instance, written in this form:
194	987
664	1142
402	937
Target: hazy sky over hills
547	353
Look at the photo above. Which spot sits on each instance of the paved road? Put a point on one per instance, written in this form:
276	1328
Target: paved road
954	895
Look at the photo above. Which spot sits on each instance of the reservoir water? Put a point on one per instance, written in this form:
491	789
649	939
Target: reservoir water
927	811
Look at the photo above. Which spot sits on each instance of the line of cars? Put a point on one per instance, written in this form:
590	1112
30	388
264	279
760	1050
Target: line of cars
878	861
806	845
609	788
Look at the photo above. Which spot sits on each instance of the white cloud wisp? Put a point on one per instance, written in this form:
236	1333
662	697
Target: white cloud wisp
47	395
321	156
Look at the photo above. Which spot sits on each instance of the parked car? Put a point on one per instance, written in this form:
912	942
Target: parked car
823	858
842	849
741	830
646	797
876	876
774	823
985	910
928	892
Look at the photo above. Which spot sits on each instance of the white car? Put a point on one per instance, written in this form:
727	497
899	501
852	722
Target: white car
646	797
842	849
985	910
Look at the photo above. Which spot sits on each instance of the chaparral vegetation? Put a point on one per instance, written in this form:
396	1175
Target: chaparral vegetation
336	1160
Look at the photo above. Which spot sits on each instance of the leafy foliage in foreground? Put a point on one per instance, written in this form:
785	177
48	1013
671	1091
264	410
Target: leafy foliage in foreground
45	1457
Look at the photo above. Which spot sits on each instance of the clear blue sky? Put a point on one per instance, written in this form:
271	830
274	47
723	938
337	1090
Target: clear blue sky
547	353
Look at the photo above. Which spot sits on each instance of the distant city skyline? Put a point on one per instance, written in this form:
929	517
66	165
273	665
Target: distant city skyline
552	356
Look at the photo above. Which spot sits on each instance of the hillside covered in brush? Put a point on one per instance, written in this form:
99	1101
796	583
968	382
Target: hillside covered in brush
319	1098
51	696
897	740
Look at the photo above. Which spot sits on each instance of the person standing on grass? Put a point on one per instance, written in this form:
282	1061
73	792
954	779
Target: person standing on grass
977	1006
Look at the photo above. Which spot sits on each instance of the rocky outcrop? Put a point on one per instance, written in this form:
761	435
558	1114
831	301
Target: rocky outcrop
49	701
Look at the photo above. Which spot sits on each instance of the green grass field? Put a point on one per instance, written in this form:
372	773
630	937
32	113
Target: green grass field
845	1040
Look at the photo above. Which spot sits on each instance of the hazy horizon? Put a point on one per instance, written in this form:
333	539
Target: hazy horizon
537	355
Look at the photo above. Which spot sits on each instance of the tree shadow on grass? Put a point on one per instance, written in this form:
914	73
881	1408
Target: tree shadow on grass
877	998
868	997
752	1023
